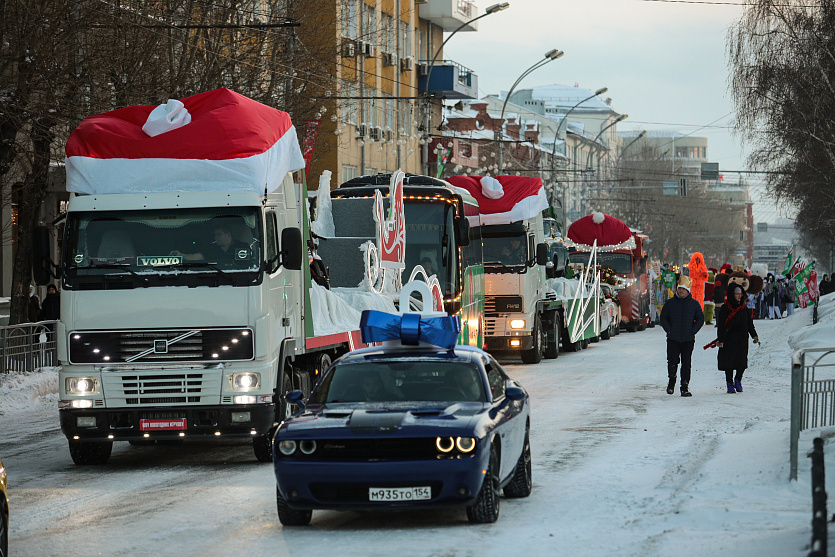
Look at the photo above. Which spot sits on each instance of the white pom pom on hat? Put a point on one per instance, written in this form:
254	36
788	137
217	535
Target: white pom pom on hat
491	187
598	218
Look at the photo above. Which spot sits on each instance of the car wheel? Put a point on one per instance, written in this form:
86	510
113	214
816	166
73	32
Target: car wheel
262	446
552	340
521	484
289	516
485	510
4	527
86	452
534	355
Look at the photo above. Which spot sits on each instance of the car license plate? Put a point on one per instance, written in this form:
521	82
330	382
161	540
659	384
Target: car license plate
162	425
399	493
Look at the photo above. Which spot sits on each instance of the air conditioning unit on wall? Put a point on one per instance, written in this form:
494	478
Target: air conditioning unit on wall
376	133
349	50
362	131
423	69
407	64
370	50
389	59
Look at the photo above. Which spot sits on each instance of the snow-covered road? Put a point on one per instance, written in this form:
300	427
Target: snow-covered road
620	468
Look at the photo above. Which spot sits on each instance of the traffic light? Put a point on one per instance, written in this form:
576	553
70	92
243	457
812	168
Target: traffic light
682	187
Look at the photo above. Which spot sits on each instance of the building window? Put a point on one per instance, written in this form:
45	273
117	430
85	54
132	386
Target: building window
349	19
350	105
465	149
349	172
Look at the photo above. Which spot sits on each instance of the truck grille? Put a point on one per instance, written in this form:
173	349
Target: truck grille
497	305
160	346
157	389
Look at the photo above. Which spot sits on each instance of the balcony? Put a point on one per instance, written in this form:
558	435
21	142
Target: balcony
449	14
449	79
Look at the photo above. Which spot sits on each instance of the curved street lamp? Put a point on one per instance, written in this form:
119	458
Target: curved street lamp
620	118
640	135
428	118
550	56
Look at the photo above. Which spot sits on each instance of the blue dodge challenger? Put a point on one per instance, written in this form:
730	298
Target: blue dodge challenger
404	426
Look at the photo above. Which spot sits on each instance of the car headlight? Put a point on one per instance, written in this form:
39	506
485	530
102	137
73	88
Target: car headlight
465	444
246	381
287	447
517	323
444	444
82	385
308	446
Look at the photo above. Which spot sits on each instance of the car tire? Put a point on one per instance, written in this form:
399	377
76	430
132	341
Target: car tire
521	483
534	355
84	453
485	510
262	446
289	516
552	340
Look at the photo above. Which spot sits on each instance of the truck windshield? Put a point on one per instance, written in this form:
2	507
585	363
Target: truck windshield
162	247
430	241
620	263
508	251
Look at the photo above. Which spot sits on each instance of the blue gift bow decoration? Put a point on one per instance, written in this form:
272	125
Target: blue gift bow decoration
410	328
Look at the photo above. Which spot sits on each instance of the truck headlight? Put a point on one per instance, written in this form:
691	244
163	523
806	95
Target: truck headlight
517	323
82	385
246	381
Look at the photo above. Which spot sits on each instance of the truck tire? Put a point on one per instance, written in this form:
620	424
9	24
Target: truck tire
552	339
84	453
584	343
282	409
534	355
262	446
606	334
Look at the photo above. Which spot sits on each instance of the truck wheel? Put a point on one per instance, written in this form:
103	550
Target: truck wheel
86	452
534	355
282	409
262	446
631	327
584	343
485	510
288	516
552	340
642	327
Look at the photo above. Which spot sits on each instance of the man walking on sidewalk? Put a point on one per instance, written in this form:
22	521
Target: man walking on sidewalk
681	318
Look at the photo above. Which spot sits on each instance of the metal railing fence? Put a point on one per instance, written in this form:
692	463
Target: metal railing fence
812	395
27	347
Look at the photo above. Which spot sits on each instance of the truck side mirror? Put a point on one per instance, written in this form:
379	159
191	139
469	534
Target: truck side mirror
291	249
542	254
462	231
41	262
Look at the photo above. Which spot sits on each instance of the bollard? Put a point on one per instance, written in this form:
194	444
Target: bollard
819	526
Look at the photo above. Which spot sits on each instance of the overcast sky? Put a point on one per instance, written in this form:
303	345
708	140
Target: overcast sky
664	62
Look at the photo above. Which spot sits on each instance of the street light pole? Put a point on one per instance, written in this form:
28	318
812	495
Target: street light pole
620	118
550	56
427	97
640	135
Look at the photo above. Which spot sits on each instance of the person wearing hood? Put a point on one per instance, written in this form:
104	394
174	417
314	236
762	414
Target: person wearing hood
33	308
734	324
51	307
681	319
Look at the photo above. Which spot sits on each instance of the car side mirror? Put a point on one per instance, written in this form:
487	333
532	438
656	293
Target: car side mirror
296	398
541	254
515	393
291	249
462	231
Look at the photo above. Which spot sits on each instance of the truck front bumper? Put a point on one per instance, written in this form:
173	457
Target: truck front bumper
513	343
131	424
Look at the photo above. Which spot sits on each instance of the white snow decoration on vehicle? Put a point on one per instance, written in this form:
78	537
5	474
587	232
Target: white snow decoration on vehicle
167	117
324	225
583	297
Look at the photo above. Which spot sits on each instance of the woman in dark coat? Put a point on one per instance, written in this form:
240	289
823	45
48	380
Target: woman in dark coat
734	324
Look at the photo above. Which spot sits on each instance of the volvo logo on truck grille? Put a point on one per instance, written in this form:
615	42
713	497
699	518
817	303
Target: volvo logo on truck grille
160	347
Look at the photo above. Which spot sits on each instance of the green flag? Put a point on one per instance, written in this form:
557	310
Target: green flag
789	262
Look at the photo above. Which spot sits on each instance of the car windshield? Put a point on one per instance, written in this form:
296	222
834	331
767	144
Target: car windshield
185	246
401	380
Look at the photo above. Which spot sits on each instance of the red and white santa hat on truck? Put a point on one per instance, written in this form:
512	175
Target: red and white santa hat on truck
504	199
214	141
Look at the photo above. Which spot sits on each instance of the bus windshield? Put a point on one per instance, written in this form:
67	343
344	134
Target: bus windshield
620	263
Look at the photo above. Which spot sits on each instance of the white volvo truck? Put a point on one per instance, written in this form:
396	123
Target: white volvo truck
187	308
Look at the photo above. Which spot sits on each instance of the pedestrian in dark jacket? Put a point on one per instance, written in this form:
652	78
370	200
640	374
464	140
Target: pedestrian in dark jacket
825	287
734	324
681	318
51	307
718	295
